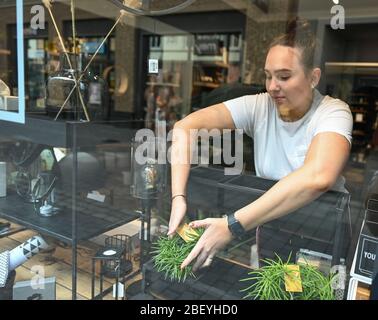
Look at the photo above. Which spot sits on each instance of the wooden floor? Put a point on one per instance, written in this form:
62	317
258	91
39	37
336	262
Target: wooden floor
57	262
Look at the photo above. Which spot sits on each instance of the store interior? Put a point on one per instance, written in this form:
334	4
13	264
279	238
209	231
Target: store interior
70	172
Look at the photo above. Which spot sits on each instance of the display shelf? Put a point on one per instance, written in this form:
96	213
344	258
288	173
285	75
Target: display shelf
92	218
60	132
163	84
212	63
319	226
79	218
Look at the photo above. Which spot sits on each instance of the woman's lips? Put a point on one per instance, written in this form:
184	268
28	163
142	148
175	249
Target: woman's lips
279	99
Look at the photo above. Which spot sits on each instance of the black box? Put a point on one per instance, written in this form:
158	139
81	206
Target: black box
204	190
319	226
220	281
367	249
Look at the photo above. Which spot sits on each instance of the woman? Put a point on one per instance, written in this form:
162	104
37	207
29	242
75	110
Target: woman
301	138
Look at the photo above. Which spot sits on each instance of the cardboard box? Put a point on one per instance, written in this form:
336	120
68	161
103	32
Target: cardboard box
27	290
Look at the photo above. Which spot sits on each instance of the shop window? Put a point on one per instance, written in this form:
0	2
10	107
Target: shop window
12	84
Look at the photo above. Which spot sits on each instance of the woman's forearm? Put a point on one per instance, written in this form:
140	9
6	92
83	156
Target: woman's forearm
180	158
290	193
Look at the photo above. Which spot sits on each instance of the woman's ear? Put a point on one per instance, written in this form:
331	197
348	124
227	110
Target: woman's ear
315	77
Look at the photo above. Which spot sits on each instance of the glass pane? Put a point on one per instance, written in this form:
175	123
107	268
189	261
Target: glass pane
12	91
90	76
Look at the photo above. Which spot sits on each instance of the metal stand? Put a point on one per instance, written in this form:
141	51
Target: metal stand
102	257
136	288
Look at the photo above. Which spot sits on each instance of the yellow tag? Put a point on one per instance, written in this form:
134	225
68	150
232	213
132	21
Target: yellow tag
293	282
187	233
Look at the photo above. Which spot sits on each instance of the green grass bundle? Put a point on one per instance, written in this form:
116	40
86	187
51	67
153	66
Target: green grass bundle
169	253
269	283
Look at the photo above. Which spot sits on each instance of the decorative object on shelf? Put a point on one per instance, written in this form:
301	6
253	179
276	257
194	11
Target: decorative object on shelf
115	262
113	243
278	280
151	7
43	192
149	170
171	252
4	89
98	92
77	84
93	89
37	176
91	174
10	260
7	102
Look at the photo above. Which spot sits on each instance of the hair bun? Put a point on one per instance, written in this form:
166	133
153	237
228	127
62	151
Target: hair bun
298	27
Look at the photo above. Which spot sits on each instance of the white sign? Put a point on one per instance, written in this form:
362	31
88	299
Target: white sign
153	66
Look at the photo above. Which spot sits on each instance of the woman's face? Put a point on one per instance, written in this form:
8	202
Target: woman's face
286	80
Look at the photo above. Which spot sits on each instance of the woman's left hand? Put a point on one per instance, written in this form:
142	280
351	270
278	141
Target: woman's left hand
215	237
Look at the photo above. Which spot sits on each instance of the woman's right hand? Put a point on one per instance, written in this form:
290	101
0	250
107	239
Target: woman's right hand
178	211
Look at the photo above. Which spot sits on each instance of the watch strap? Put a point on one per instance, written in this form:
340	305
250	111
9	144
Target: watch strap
235	226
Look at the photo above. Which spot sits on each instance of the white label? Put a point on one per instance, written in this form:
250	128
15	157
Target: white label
121	290
153	66
359	117
95	93
95	195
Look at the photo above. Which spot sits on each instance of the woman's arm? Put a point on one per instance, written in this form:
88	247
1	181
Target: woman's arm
324	163
183	139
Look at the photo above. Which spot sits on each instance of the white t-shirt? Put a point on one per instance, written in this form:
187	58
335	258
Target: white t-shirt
280	147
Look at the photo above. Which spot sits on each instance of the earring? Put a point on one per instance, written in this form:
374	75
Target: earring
312	86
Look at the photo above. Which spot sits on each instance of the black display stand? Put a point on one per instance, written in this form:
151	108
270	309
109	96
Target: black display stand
79	220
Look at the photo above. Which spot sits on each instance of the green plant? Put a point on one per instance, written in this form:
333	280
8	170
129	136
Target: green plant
269	282
171	252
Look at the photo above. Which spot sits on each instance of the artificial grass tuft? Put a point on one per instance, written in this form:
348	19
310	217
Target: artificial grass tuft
169	253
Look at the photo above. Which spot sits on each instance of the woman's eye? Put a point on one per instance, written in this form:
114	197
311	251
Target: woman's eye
284	78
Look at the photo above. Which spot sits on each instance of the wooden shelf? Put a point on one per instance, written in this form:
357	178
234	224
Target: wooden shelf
358	133
163	84
205	84
358	110
359	103
212	64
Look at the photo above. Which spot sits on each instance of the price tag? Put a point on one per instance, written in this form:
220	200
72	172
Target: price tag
293	282
187	233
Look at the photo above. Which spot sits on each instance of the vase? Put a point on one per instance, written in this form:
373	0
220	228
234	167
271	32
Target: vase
92	89
97	96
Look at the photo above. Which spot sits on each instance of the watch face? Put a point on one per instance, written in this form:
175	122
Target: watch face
152	7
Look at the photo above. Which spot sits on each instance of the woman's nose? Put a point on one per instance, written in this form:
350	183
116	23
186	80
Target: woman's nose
273	85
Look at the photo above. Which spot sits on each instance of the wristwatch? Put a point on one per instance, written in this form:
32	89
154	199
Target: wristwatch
235	227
